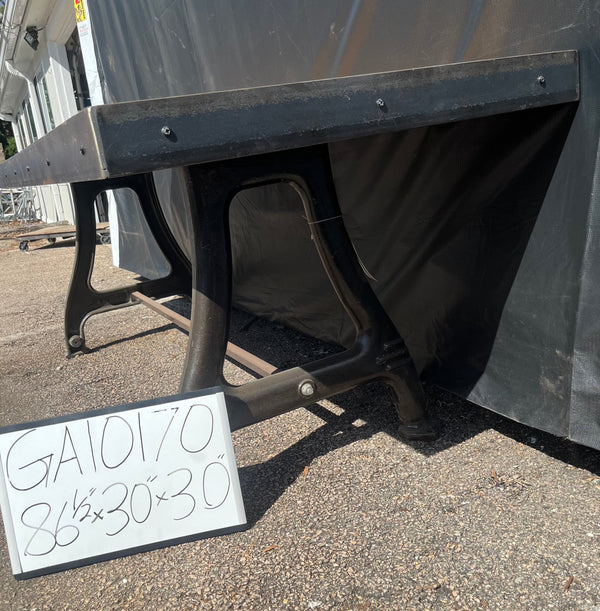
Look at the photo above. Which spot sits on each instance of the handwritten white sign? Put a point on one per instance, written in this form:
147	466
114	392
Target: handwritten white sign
91	487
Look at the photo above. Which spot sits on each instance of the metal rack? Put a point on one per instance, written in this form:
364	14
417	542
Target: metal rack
17	204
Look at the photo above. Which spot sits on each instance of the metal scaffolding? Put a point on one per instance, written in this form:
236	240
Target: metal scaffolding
17	204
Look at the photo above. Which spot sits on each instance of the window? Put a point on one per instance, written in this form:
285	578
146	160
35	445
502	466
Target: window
43	98
22	141
28	122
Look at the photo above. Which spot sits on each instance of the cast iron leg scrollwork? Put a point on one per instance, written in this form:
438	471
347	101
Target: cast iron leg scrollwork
83	300
378	353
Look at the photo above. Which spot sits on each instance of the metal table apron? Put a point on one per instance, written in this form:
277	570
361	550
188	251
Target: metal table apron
228	141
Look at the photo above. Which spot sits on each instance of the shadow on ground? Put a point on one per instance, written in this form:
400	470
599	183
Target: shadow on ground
460	420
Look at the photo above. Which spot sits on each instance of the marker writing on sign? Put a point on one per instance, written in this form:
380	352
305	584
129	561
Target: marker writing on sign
118	506
30	463
118	481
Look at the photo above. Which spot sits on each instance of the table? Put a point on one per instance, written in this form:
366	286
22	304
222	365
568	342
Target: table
225	142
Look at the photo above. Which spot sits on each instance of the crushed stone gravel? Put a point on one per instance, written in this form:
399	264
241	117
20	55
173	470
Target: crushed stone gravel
343	514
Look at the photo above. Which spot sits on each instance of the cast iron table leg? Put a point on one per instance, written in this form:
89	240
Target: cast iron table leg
378	353
83	300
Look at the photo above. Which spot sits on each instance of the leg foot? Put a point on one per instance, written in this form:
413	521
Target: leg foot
423	430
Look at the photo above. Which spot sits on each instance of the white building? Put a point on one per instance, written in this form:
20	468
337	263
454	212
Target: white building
42	80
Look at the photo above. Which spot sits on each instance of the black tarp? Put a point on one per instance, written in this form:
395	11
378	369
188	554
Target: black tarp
481	237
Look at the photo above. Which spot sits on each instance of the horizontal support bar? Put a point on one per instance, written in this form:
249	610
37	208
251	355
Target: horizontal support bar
241	356
137	137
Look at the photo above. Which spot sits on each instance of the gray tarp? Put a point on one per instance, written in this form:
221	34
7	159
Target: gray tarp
482	236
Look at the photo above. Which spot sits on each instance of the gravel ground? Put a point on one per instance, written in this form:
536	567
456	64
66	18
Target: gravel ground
342	513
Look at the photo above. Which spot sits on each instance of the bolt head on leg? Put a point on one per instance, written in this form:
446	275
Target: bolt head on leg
307	388
76	341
